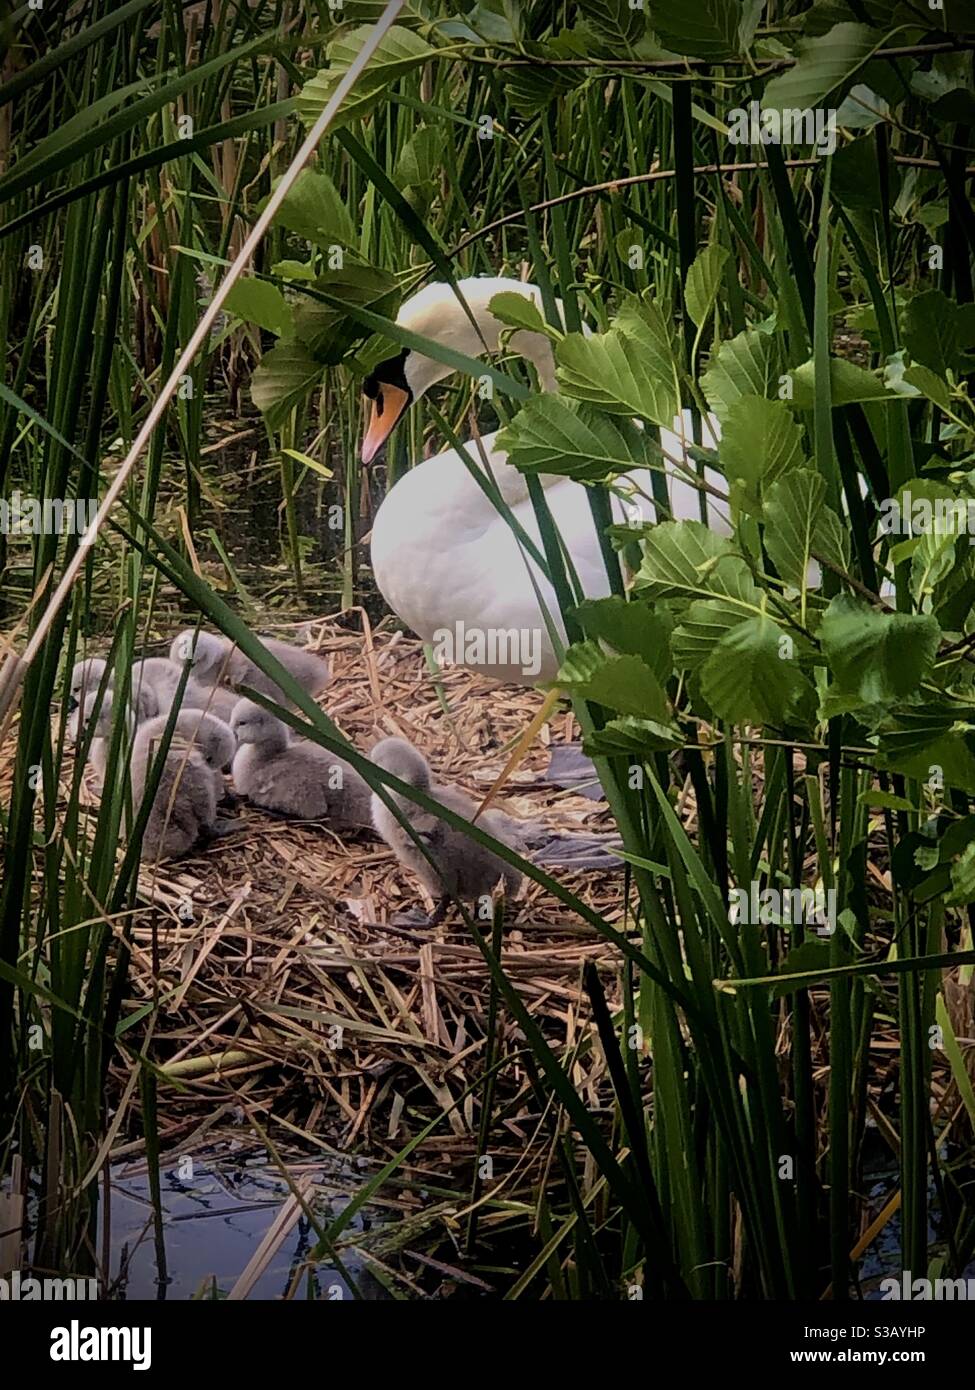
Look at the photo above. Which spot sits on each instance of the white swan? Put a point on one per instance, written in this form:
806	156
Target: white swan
443	558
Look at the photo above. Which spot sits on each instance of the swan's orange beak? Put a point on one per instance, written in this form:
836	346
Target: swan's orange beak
386	410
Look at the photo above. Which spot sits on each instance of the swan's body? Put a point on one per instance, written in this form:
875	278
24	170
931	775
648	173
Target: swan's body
443	557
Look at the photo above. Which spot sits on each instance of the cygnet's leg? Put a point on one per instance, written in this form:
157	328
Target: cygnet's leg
220	828
439	912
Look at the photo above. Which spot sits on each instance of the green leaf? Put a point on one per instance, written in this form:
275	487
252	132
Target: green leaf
630	627
705	29
962	878
623	683
627	735
798	522
822	65
400	51
553	435
313	209
615	23
684	559
701	628
936	330
628	371
849	384
420	161
258	301
926	737
294	270
885	801
760	441
747	365
324	327
752	676
704	281
877	657
856	180
518	311
282	380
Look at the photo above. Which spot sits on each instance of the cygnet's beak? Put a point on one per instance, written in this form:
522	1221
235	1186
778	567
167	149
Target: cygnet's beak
386	410
72	703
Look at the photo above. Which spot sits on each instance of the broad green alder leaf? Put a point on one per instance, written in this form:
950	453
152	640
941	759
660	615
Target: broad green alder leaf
747	365
704	29
629	735
937	331
963	878
927	737
849	384
684	559
282	380
760	441
258	301
752	676
623	683
313	209
324	327
701	628
798	522
399	52
877	657
517	311
630	627
615	23
823	65
704	281
628	371
553	435
915	381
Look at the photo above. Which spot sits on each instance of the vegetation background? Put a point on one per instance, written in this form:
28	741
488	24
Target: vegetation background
820	306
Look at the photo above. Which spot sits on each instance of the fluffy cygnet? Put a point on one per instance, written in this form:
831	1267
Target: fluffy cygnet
205	732
86	677
294	776
165	675
141	708
154	679
215	658
184	810
465	869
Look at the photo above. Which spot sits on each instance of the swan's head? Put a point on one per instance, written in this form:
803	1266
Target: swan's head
466	325
391	391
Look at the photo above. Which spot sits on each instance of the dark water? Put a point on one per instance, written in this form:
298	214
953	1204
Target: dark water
214	1222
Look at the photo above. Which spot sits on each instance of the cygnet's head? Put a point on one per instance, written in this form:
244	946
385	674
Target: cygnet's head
217	741
86	716
252	723
205	651
86	677
403	761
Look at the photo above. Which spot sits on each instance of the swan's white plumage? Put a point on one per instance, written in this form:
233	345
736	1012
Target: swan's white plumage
441	553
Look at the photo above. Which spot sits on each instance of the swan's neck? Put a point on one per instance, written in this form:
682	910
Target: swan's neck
436	313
